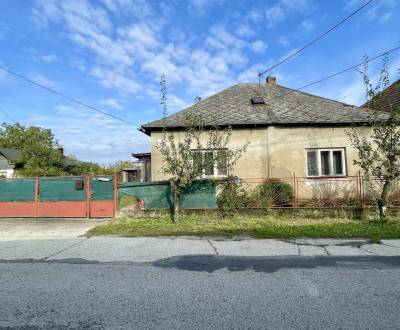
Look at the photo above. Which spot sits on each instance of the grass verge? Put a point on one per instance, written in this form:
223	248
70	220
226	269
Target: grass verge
258	227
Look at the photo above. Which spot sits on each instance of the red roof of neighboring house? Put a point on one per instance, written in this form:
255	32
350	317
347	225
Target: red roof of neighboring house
386	100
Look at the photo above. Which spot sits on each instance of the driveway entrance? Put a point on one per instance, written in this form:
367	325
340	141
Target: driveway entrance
45	227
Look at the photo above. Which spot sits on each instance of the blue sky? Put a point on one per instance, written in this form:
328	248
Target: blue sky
111	53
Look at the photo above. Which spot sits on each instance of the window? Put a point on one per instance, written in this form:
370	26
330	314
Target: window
211	162
326	162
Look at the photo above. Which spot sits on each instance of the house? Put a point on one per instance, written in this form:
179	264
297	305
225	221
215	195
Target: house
289	131
386	100
7	158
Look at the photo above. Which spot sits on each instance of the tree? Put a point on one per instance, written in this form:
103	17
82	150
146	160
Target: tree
190	154
89	168
40	151
379	151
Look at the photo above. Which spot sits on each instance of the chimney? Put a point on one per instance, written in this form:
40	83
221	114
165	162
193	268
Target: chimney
271	81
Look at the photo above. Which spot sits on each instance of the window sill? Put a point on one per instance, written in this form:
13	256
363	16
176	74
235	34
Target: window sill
213	177
327	177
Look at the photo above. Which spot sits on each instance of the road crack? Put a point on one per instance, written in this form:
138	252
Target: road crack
65	249
213	247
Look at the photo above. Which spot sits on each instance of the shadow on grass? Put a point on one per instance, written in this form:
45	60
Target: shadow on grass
210	264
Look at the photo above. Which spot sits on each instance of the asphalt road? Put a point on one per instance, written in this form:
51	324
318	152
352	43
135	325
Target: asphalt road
203	292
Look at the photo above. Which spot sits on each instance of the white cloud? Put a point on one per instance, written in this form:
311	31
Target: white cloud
259	46
274	15
49	58
128	55
379	11
289	53
220	38
245	31
283	41
113	103
200	7
307	25
297	5
68	122
115	80
140	8
43	80
283	8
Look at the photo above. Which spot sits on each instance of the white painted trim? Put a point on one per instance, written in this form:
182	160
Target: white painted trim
331	150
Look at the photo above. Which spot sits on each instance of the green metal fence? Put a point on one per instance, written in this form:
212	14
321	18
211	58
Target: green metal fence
102	188
17	190
62	189
158	194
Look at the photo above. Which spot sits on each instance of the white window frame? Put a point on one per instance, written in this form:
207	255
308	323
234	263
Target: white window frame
216	172
331	150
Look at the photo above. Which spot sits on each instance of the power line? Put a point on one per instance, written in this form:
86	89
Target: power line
66	96
260	74
349	68
7	115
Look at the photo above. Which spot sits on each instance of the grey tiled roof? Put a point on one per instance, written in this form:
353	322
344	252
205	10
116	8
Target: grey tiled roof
10	154
283	106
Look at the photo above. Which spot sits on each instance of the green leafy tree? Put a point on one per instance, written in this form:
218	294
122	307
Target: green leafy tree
379	151
40	150
186	158
89	168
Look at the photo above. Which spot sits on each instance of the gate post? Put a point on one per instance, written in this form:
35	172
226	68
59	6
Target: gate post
36	205
88	196
115	194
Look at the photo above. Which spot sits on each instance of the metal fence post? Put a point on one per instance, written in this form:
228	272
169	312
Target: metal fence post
36	207
115	194
362	191
88	196
294	189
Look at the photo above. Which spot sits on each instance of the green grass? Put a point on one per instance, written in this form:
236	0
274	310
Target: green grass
258	227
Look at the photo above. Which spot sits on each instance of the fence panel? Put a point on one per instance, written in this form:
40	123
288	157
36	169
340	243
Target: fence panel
17	197
62	197
62	189
14	190
102	203
327	192
372	187
102	188
158	194
58	197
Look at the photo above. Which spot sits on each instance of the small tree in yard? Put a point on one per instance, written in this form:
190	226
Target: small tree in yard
188	154
379	151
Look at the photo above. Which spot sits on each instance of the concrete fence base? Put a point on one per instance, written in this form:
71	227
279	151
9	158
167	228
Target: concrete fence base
349	213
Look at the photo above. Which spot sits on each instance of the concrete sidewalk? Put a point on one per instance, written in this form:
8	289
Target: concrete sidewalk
110	249
46	227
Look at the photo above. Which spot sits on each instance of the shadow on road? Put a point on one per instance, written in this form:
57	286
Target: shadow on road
210	264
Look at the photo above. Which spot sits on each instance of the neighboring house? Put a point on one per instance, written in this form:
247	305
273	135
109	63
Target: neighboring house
129	175
289	131
7	157
144	165
386	100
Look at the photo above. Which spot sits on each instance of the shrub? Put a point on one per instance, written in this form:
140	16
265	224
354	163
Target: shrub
274	193
232	197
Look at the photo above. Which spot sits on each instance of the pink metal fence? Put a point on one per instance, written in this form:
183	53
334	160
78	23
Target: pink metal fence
315	192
